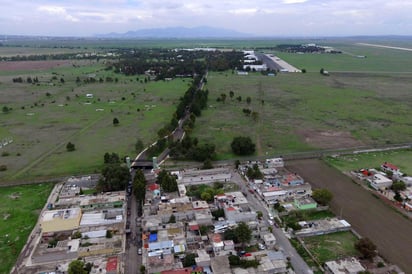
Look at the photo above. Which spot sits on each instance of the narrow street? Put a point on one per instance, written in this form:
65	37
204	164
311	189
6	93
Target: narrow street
133	261
299	265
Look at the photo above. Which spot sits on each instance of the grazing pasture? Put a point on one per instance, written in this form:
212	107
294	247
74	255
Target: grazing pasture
19	209
45	116
301	112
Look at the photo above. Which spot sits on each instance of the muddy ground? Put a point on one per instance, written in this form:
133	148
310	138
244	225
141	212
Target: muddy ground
368	215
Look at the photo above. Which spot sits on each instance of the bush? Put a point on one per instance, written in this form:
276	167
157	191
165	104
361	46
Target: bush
70	147
3	167
242	146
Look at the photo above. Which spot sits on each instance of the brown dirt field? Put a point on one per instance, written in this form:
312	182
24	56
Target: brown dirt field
328	139
369	216
32	65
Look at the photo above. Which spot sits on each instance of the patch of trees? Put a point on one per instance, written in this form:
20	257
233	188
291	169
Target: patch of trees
366	247
322	196
206	192
115	175
139	185
294	48
254	172
241	234
242	146
189	148
79	267
167	181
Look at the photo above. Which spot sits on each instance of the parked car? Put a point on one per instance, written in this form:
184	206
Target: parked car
139	251
262	246
270	222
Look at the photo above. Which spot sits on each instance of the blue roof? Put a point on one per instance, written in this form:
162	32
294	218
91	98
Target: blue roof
153	238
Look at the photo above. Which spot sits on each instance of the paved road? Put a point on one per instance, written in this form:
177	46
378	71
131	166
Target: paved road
299	265
133	261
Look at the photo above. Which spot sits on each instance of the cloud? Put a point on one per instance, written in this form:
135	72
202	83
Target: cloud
294	1
58	11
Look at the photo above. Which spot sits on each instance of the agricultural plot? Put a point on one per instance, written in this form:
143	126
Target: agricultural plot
332	246
400	158
42	118
19	210
301	112
369	216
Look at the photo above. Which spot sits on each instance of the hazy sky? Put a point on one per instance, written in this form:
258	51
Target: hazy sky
259	17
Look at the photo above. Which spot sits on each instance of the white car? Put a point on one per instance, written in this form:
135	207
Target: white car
139	251
270	216
261	246
270	222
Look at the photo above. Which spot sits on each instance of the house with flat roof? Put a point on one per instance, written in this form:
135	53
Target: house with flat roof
60	220
345	266
379	181
305	203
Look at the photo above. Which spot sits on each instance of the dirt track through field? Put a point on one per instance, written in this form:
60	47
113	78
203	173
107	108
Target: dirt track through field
369	216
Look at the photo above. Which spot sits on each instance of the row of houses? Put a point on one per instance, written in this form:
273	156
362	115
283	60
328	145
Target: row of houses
166	243
80	226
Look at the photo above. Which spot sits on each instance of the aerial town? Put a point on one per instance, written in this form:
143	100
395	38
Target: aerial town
240	226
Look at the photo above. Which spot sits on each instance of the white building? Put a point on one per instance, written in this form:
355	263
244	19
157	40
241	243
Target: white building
380	182
348	266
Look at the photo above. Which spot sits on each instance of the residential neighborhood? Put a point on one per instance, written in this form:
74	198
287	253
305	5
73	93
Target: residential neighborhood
242	228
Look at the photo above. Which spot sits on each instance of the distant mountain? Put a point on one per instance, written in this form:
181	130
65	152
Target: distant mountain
178	32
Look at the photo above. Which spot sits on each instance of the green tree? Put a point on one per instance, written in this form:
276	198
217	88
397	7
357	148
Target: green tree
231	94
230	234
322	195
255	116
366	247
167	181
397	197
77	267
189	260
139	185
243	233
142	269
70	147
242	146
207	164
115	121
172	219
398	186
248	100
6	109
139	146
114	177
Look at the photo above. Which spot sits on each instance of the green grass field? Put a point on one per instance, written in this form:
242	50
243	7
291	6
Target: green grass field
45	117
332	246
301	112
400	158
19	210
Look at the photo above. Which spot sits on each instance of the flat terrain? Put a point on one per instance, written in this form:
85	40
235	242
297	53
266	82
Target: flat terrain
19	210
400	158
369	216
301	112
355	58
332	246
44	117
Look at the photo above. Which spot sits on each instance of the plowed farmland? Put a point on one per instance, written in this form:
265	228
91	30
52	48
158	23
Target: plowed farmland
369	216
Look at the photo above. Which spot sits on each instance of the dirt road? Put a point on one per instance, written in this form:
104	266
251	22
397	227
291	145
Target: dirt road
369	216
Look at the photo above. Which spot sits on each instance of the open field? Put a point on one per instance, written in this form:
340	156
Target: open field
301	112
331	247
400	158
377	59
48	115
19	210
369	216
